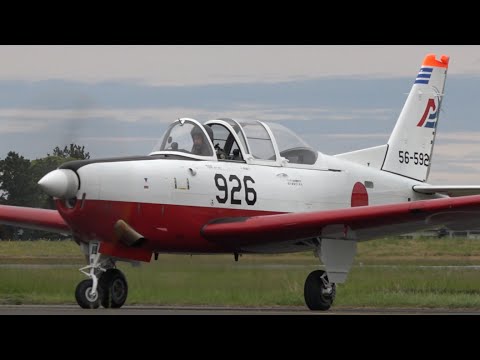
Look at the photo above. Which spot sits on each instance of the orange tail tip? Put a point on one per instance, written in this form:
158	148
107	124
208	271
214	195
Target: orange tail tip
430	60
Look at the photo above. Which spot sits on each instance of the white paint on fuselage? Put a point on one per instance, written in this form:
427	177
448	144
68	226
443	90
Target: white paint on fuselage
278	188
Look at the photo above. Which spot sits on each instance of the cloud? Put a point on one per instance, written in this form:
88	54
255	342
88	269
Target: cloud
459	152
454	178
357	136
459	136
112	139
15	127
197	65
33	120
23	120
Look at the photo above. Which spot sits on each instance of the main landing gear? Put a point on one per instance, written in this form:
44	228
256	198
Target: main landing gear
106	285
337	254
319	293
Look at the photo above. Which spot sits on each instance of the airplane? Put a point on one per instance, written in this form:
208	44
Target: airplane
235	186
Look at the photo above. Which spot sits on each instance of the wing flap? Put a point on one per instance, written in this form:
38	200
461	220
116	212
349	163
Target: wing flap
366	222
450	190
32	218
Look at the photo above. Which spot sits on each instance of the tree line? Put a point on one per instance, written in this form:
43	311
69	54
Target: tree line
18	185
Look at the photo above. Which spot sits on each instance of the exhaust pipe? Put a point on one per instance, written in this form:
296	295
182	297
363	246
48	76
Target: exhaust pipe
127	234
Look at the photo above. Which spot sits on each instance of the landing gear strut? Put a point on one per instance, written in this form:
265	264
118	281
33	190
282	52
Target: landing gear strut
106	285
319	293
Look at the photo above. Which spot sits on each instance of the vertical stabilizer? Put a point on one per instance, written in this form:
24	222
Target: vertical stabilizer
410	146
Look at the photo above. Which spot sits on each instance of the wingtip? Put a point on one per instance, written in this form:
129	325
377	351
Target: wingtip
431	60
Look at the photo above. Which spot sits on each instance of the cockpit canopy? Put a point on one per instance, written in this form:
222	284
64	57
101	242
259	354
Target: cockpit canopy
291	146
188	137
235	140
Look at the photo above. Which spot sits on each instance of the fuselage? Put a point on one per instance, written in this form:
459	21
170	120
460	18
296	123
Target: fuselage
169	200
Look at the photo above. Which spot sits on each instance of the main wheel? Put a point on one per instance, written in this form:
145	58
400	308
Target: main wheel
84	297
114	287
315	292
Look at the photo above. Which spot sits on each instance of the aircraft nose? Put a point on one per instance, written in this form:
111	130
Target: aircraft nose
60	183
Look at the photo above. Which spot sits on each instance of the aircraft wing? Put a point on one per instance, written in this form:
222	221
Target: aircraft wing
450	190
360	223
32	218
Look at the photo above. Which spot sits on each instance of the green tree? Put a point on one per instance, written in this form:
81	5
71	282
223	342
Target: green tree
16	186
16	181
74	151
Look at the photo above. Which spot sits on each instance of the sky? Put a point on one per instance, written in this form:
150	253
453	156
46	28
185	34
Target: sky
118	100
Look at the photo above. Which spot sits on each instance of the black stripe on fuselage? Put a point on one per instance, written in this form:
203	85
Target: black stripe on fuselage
77	164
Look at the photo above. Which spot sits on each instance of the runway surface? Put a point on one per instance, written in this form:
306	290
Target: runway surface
217	310
257	266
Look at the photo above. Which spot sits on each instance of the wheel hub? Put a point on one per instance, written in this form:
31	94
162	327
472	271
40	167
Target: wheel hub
118	290
90	296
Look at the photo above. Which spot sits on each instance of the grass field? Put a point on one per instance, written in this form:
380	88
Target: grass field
386	274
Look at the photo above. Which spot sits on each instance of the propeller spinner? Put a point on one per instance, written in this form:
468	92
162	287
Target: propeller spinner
60	183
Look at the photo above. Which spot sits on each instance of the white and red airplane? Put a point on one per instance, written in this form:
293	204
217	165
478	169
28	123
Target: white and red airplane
235	186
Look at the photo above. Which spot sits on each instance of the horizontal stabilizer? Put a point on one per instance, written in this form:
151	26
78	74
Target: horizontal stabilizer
450	190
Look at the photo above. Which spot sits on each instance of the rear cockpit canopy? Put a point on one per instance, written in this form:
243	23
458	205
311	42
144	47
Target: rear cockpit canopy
291	146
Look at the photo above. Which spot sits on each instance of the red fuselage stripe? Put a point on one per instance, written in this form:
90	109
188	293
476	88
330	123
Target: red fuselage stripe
167	228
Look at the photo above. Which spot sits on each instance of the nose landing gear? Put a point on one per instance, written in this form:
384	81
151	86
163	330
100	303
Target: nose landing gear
106	285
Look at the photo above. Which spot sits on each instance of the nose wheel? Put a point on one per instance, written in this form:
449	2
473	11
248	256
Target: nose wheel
319	293
86	298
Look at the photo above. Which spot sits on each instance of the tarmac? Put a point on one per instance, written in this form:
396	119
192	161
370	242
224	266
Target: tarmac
219	310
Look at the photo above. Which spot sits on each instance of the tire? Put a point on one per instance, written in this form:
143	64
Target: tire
315	298
83	297
114	288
